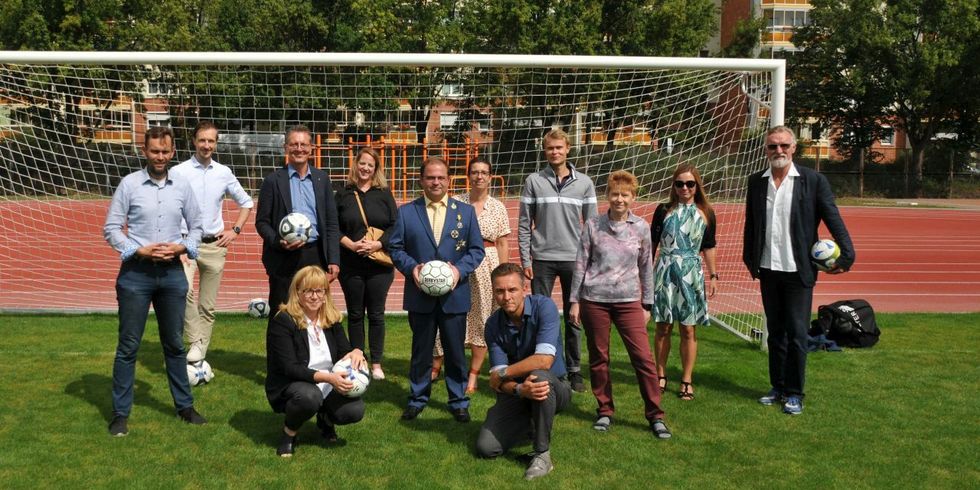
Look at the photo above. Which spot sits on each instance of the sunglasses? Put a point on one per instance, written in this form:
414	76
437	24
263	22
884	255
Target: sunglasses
681	183
784	146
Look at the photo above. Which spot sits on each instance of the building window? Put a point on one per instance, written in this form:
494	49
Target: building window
447	120
887	136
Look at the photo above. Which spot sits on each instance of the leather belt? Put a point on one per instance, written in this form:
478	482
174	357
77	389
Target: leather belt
209	238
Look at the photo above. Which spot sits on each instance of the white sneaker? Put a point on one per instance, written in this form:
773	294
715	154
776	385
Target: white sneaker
377	374
194	354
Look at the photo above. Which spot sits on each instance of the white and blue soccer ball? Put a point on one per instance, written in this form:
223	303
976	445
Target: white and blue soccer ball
258	308
199	373
824	254
436	278
359	377
295	227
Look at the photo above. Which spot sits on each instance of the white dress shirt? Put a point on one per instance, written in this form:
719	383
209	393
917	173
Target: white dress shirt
210	184
320	358
777	253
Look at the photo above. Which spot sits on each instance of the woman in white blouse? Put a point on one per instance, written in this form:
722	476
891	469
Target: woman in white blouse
303	341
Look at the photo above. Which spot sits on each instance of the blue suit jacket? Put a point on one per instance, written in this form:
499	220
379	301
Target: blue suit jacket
411	243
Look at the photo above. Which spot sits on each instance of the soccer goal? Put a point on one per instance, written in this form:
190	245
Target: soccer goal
72	124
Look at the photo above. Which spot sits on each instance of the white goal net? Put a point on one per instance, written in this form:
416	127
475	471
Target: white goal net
71	125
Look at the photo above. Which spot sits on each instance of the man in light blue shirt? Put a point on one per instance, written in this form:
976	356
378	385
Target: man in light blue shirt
211	182
150	206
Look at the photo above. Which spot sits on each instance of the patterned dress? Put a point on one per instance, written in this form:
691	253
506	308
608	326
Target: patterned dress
679	280
493	225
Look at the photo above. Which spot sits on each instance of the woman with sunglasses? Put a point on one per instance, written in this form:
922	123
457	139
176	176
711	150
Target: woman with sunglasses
303	341
683	228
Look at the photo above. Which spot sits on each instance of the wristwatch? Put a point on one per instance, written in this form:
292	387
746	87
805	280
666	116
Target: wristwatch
714	275
237	230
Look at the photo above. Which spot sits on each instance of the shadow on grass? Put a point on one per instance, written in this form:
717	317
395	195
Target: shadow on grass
96	390
245	365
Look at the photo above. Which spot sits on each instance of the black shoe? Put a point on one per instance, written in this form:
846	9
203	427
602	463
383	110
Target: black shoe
191	416
287	445
326	428
462	415
575	378
411	412
118	427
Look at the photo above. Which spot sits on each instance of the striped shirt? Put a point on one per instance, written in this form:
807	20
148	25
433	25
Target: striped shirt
549	225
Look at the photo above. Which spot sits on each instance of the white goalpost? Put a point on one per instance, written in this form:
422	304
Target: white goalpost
72	124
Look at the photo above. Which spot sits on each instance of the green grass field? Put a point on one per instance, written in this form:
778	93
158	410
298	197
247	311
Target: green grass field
897	415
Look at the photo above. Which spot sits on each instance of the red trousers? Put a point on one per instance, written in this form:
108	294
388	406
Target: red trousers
597	320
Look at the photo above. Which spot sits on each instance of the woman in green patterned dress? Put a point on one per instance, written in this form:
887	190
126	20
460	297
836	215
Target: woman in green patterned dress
683	228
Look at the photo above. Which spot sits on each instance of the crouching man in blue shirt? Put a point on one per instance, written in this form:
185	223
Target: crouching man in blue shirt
528	371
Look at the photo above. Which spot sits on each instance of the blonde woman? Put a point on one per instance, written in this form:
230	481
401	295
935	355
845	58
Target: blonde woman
303	341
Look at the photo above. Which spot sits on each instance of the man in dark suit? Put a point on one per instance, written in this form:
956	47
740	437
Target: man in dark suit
435	227
783	209
297	187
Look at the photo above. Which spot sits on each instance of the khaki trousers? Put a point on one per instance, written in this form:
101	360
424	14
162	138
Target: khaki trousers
199	313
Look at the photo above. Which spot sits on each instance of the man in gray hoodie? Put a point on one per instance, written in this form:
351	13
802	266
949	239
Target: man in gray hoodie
555	203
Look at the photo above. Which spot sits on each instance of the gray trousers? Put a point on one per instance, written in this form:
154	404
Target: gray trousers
512	419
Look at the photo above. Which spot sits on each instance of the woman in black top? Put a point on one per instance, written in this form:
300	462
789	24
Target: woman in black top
303	342
365	282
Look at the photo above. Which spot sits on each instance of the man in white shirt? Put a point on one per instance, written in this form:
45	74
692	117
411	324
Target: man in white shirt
784	207
211	182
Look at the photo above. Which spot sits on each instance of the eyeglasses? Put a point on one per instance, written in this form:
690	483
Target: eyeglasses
479	173
784	146
315	292
681	183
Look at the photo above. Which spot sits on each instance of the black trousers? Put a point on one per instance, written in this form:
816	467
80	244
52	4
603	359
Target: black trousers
787	302
279	279
367	290
545	273
304	399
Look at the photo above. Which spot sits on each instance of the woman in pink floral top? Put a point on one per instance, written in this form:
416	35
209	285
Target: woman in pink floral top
613	283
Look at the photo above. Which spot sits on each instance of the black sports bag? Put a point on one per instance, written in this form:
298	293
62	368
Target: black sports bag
850	323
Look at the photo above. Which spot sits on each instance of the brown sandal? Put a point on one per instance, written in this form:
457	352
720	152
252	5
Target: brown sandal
662	381
685	393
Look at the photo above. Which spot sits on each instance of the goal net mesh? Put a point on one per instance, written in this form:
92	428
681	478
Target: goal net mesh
68	134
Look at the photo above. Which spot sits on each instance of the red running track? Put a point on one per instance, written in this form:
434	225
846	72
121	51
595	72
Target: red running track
52	256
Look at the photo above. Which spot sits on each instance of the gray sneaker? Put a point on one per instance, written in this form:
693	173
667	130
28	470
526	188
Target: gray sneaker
540	466
772	398
577	382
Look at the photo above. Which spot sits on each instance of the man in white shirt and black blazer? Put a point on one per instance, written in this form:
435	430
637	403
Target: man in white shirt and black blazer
784	207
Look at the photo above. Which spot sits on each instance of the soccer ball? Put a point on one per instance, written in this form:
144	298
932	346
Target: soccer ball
357	376
824	254
436	278
295	227
199	373
258	308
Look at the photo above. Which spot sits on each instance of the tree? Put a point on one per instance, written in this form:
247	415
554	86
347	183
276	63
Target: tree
907	62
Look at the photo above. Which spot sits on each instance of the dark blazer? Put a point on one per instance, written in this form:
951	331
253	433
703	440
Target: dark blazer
813	202
412	243
287	352
275	202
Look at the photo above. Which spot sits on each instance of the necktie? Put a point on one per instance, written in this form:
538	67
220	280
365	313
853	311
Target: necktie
438	218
